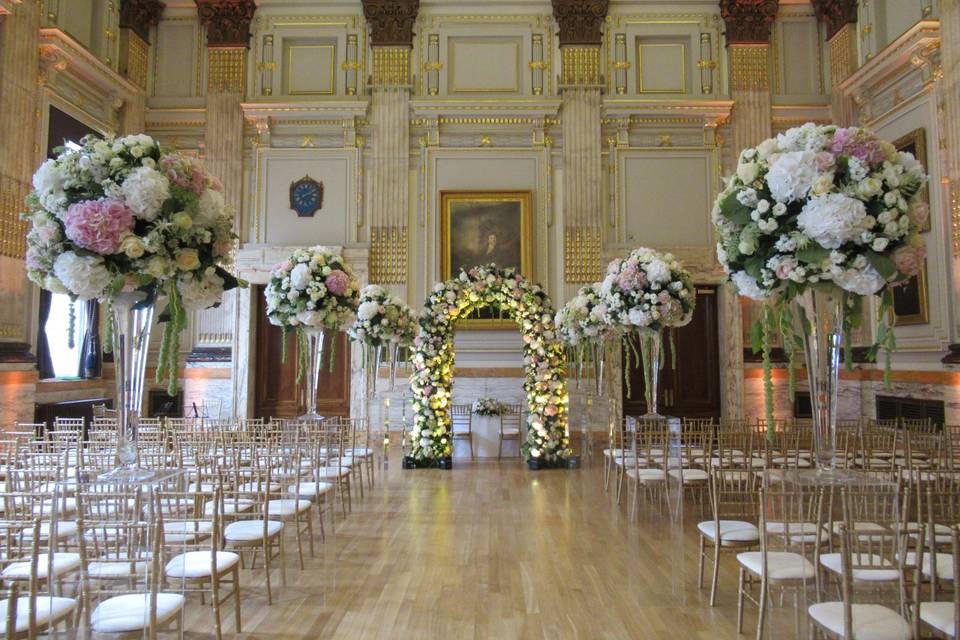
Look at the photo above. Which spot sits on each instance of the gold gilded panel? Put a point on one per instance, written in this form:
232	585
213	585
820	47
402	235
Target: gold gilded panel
749	67
226	69
391	66
13	230
581	65
581	253
388	255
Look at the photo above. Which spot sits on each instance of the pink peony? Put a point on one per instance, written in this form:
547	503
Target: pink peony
98	225
337	282
550	410
856	142
34	259
909	259
825	161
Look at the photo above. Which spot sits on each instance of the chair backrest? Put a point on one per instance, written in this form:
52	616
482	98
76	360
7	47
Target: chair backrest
20	542
733	495
461	418
510	418
791	519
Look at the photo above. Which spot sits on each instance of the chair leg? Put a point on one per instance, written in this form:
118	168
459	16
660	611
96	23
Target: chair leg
740	588
215	597
716	574
266	570
499	447
236	597
471	446
700	565
764	587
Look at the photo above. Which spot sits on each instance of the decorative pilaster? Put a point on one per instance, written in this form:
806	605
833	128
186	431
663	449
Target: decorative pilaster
748	24
839	17
227	24
581	81
137	17
388	191
949	95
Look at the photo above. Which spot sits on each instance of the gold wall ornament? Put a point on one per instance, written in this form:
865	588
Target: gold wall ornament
391	66
134	57
226	69
581	254
581	65
13	230
388	255
955	216
749	67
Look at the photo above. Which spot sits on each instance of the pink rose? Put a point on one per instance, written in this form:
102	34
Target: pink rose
909	259
825	160
551	410
98	225
337	282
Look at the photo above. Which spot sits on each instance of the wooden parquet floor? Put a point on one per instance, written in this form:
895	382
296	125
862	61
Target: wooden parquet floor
492	550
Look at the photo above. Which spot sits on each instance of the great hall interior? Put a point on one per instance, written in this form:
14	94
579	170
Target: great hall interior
748	424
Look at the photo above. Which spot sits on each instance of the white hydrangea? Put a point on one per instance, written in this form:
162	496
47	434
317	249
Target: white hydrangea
311	318
301	276
639	318
367	310
792	175
832	219
747	286
85	276
210	208
657	271
145	191
49	182
200	293
865	281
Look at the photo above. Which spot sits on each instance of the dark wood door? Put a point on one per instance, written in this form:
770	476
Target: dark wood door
692	388
277	392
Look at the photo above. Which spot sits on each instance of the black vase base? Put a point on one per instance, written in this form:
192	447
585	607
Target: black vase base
445	463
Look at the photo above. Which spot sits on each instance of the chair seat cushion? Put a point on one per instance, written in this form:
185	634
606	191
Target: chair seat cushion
253	487
510	432
833	562
131	612
62	563
230	506
939	615
308	488
944	565
332	472
941	533
798	532
690	475
187	531
870	621
48	608
111	567
250	530
647	475
731	531
287	507
782	565
197	564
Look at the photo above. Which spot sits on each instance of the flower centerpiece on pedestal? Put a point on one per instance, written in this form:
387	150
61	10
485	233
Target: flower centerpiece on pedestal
383	321
644	294
125	221
583	325
814	220
312	291
488	407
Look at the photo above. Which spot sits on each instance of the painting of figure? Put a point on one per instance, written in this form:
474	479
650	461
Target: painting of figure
482	227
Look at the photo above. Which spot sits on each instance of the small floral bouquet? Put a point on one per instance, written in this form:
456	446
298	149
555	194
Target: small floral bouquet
312	288
488	407
584	318
821	208
382	319
124	214
647	289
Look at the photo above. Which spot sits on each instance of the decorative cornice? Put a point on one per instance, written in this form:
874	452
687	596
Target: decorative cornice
748	21
835	14
227	21
140	15
580	21
391	21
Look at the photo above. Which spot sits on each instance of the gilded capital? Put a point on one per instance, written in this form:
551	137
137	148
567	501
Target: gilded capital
835	14
748	21
227	21
140	15
391	21
580	21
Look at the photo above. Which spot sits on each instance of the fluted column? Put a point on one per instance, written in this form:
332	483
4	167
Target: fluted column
581	82
388	185
748	56
839	17
19	62
949	88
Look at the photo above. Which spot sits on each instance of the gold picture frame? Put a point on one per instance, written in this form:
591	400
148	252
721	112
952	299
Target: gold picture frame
478	227
915	142
911	300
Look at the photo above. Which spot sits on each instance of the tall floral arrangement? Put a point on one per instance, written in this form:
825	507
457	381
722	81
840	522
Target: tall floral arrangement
647	289
584	318
122	214
315	288
821	208
382	319
433	360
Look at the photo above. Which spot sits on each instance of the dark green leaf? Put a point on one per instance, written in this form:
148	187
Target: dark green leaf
884	265
732	210
813	254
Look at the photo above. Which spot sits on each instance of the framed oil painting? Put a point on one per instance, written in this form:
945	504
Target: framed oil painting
910	301
480	227
915	142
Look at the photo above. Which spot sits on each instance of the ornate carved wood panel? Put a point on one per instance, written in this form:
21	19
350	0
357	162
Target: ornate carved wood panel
227	21
748	21
580	21
391	21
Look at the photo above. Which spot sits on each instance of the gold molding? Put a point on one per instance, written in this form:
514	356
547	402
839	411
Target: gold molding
749	67
391	66
683	66
580	65
134	57
581	254
288	70
13	230
226	69
955	216
388	255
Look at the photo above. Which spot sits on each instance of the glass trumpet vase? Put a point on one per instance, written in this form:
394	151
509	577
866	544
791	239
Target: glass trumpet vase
818	318
315	343
598	352
132	320
651	361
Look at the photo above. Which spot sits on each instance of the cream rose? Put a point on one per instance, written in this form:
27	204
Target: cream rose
187	259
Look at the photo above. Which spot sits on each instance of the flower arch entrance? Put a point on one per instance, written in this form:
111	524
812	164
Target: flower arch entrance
543	361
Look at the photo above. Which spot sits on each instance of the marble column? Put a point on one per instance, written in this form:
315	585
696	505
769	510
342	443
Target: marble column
949	94
388	181
19	62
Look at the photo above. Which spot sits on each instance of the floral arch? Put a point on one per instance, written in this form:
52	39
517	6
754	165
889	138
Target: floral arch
543	360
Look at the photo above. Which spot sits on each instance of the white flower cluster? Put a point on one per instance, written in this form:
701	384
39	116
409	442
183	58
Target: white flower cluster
313	287
584	317
488	407
821	204
123	213
382	318
648	289
543	360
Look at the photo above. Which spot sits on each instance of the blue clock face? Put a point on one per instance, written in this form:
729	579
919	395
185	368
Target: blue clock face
306	196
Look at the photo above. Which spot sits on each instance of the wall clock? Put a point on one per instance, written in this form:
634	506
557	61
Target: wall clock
306	196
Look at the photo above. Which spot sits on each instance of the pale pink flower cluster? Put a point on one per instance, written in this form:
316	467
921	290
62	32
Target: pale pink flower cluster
337	282
98	225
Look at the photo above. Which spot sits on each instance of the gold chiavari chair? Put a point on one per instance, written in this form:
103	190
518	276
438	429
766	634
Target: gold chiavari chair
647	471
461	424
941	616
511	427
